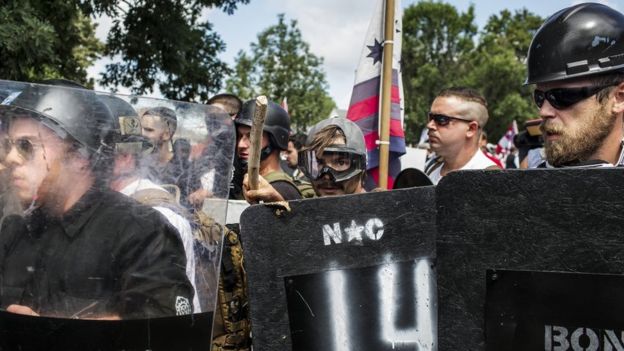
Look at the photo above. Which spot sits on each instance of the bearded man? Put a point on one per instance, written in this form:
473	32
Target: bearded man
575	61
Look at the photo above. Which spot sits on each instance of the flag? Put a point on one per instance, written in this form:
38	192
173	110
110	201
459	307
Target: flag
284	104
365	105
503	148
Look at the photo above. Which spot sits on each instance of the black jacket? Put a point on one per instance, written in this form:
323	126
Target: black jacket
108	255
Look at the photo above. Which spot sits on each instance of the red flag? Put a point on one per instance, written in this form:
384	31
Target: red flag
503	148
364	108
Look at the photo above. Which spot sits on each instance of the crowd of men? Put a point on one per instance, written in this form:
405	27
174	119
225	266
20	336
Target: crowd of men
87	232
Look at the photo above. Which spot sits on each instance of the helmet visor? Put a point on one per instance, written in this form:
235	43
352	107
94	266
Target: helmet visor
339	162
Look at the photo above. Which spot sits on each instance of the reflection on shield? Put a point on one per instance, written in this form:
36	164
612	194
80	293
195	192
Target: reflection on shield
103	228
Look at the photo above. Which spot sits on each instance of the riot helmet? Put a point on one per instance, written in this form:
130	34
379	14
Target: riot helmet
578	41
68	112
229	103
340	161
276	123
126	135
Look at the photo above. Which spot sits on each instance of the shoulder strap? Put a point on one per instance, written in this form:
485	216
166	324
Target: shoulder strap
278	176
433	164
154	197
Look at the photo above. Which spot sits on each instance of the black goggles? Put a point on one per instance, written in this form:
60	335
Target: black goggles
443	120
339	163
561	98
24	147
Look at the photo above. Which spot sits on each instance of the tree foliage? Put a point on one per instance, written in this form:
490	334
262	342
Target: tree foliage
281	65
164	44
39	43
161	44
442	48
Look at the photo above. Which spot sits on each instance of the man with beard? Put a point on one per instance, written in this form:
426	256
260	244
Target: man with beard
456	120
575	61
334	159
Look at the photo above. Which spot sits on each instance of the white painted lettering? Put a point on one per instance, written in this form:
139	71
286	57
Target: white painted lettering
370	229
560	337
330	234
422	332
612	342
575	340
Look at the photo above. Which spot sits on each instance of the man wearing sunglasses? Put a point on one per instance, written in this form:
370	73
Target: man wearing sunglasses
456	120
84	251
575	62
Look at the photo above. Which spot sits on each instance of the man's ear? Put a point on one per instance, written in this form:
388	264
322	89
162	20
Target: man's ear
618	92
473	129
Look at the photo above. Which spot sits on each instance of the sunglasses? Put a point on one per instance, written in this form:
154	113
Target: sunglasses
24	147
561	98
443	120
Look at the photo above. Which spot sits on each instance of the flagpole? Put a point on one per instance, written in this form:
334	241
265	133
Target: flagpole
386	88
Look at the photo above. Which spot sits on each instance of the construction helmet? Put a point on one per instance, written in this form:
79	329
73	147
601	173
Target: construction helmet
578	41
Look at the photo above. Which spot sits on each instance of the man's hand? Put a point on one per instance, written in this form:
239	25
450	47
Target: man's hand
197	197
265	192
21	309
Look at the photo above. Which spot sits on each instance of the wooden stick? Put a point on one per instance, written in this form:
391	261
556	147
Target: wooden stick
386	88
256	141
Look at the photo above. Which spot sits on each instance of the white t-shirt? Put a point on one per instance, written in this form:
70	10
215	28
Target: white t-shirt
478	161
180	223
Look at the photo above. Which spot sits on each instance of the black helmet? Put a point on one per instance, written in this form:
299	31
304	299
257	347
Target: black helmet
578	41
67	111
277	122
126	134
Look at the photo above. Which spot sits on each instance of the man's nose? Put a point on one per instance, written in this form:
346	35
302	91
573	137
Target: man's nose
13	157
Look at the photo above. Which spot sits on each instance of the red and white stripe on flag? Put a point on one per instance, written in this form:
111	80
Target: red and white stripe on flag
365	105
506	141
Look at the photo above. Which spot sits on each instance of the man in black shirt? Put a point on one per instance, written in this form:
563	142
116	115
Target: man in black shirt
80	250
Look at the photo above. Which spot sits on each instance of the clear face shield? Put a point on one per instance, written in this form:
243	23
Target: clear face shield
340	162
145	229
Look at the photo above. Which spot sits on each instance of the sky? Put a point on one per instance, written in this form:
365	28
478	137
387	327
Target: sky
334	29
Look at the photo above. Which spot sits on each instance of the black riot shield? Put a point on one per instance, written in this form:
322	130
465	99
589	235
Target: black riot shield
102	242
343	273
538	220
529	310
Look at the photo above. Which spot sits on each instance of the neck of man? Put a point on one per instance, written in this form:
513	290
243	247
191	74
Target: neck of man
69	197
611	146
164	153
122	181
459	159
270	164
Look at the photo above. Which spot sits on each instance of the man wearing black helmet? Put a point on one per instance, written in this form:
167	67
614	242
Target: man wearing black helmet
576	61
84	251
274	140
334	159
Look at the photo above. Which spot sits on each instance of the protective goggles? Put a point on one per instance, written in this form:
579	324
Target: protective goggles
561	98
24	147
443	120
340	163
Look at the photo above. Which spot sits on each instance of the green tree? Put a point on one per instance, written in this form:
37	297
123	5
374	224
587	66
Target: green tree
37	43
281	65
497	68
436	40
164	43
441	48
153	43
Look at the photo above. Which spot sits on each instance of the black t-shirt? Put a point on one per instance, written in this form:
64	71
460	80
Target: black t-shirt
108	255
287	190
